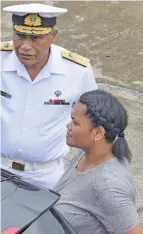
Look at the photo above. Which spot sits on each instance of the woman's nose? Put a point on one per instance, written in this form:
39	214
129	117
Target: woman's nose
69	125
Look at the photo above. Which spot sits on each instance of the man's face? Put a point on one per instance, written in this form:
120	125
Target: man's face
32	49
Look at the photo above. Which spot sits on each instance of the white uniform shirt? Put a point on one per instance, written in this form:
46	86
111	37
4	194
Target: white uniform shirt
31	130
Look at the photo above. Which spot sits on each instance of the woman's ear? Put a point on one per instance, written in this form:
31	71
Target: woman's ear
99	133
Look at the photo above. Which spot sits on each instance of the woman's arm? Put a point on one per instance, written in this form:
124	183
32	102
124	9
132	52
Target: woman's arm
135	230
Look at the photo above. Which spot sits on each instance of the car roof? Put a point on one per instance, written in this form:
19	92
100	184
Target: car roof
22	202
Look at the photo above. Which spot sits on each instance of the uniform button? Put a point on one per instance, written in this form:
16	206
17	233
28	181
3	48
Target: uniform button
20	151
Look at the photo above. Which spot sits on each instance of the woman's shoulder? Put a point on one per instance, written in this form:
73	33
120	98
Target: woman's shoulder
113	175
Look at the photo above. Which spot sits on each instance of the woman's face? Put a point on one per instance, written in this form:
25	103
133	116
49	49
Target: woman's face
80	132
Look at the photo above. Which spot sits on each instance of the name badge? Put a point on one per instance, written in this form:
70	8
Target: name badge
6	95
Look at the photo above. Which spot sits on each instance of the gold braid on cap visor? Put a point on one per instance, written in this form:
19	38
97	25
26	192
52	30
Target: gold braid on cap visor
32	30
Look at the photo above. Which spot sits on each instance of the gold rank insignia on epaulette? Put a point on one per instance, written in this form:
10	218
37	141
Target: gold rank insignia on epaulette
6	46
75	58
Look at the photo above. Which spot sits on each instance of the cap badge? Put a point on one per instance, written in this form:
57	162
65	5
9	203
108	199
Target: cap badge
32	20
57	93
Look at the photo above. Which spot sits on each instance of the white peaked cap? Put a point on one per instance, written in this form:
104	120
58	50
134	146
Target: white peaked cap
42	9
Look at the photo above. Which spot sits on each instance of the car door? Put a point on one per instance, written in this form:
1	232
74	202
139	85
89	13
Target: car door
52	222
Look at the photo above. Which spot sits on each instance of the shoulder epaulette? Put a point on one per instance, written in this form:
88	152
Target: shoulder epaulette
6	46
75	58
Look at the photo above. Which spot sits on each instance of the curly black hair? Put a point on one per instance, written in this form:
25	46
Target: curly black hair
105	110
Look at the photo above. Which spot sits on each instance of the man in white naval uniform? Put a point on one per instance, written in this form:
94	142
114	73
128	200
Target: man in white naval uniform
40	83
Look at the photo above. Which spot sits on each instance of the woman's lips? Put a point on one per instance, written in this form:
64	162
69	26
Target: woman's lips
69	135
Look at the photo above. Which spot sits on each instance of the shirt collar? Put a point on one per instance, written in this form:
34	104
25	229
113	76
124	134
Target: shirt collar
54	65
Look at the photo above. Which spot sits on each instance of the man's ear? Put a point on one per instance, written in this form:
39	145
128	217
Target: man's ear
54	33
